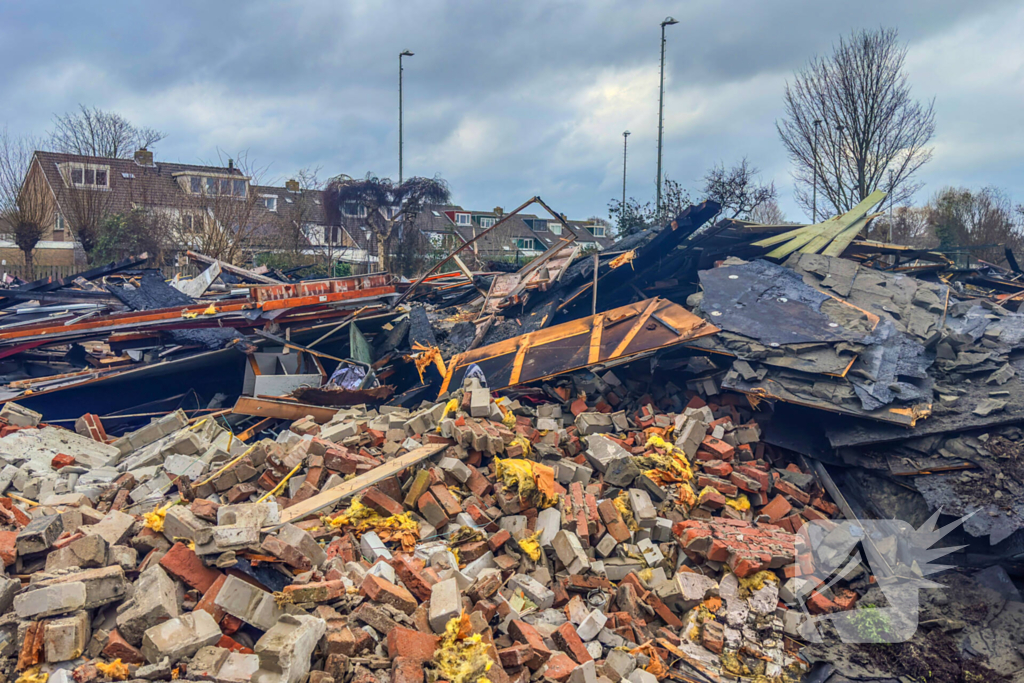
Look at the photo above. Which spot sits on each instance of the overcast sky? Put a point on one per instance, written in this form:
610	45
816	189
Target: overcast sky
504	100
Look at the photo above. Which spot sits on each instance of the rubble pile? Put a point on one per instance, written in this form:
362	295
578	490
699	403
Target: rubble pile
691	458
557	538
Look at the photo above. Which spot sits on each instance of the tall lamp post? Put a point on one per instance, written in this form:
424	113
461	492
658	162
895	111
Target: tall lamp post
625	136
669	21
403	53
814	202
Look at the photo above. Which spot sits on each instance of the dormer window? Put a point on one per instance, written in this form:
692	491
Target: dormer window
555	228
91	176
463	219
487	221
215	186
595	230
353	210
269	201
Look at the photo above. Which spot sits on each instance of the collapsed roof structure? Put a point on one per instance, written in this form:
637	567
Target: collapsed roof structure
708	452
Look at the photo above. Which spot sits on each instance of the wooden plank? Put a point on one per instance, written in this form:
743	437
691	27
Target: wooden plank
234	270
826	231
285	410
641	321
839	244
327	498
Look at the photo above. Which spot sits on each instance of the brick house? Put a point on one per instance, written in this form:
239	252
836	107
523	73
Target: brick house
82	191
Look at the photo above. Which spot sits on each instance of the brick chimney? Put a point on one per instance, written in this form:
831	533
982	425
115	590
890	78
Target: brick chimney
144	157
291	185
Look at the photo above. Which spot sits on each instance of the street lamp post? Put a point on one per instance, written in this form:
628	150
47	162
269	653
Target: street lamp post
669	21
625	136
814	202
403	53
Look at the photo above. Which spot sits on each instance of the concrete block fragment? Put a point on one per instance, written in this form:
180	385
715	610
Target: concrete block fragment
445	604
643	509
285	651
207	662
456	468
373	548
570	551
239	668
50	600
115	527
536	592
65	639
621	662
154	600
181	637
8	589
103	585
19	416
549	523
301	540
642	676
248	603
606	546
593	423
652	554
584	673
591	625
621	472
39	534
180	522
479	402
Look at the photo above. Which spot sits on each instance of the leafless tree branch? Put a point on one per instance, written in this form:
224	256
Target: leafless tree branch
870	125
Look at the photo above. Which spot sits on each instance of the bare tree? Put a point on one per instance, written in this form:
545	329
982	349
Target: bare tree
390	212
868	124
767	213
959	218
309	210
98	133
909	226
631	216
737	189
25	206
84	209
226	218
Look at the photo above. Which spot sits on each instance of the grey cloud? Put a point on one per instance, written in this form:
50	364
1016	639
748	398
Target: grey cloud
314	83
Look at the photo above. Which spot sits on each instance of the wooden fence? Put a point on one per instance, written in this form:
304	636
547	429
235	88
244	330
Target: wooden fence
40	272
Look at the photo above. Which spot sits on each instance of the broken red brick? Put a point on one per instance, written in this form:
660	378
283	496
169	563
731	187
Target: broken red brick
184	565
568	641
405	642
387	593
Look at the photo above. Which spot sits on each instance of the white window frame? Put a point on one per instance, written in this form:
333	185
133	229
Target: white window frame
596	230
521	244
69	168
58	223
463	219
487	221
360	212
272	205
554	228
